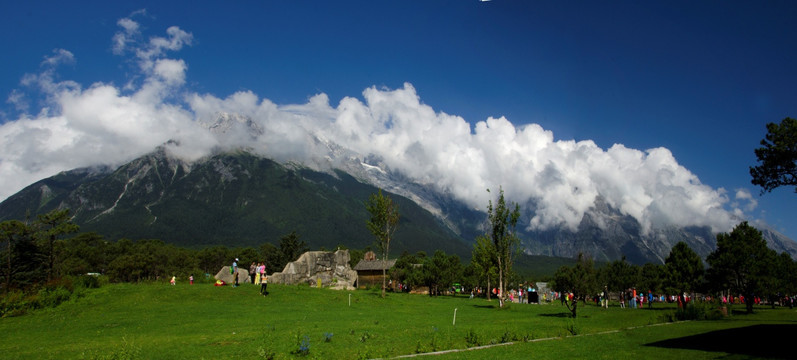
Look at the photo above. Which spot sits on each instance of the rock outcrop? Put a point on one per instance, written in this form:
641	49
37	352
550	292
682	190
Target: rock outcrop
332	269
224	275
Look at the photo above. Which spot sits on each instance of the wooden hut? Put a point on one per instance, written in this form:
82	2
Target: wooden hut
369	271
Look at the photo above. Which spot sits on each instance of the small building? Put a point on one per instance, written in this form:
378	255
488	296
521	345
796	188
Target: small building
369	271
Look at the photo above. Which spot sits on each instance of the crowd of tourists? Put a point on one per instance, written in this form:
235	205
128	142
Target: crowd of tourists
630	298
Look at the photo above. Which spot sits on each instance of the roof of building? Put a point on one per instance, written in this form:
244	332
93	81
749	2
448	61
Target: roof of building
374	265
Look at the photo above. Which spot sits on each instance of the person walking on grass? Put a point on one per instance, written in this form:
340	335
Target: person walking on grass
263	285
234	271
605	297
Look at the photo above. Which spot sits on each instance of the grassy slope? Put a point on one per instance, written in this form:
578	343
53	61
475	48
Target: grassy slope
159	321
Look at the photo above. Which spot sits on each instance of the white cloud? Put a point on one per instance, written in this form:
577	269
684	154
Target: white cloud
128	35
745	200
98	125
172	72
18	99
157	46
559	180
60	56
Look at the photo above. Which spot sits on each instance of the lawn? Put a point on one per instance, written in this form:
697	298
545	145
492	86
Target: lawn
159	321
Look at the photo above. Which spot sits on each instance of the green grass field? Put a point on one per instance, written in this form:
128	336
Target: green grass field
159	321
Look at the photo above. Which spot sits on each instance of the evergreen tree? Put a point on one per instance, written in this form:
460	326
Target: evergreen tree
581	280
21	261
620	275
53	225
291	248
777	157
742	262
684	269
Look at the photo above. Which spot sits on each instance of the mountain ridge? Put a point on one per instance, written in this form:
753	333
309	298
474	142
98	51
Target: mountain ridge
222	199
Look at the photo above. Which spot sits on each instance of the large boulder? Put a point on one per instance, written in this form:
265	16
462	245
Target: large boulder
331	268
224	275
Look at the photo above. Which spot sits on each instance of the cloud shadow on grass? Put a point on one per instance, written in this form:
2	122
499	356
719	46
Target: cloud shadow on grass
757	341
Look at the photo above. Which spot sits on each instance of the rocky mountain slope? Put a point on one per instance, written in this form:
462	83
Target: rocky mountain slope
232	199
241	198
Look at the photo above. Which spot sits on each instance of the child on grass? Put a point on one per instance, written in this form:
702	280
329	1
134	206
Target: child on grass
263	285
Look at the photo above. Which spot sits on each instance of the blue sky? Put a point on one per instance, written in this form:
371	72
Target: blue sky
699	79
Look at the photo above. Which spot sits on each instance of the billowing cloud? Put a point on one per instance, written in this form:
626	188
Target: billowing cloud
558	180
101	124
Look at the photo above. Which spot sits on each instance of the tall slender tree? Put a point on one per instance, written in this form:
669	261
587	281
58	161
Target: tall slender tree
503	221
53	225
383	223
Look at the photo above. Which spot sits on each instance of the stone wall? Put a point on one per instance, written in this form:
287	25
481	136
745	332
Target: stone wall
331	268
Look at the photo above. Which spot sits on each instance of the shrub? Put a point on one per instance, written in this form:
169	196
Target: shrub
508	336
472	339
304	346
87	282
13	304
66	282
702	311
52	297
49	295
264	351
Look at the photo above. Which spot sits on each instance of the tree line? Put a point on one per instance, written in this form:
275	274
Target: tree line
51	247
742	265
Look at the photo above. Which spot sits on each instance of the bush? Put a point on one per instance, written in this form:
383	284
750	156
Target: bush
87	282
472	339
13	304
52	297
49	295
66	282
304	345
692	311
508	336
